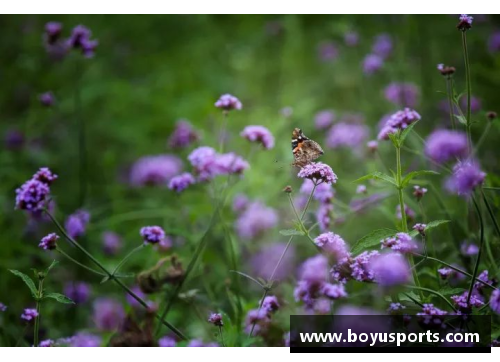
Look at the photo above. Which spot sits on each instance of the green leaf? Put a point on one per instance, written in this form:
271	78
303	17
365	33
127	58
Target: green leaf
105	279
372	239
27	280
61	298
378	176
461	118
52	265
451	291
414	174
394	139
406	132
290	232
429	226
249	277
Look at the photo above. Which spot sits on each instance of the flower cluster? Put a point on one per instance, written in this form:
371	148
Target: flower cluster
31	196
166	341
372	64
181	182
324	119
349	135
495	301
183	135
410	214
420	228
333	245
259	134
80	39
390	269
78	292
461	301
318	172
228	102
328	51
465	22
29	314
152	234
216	319
155	170
401	242
465	178
446	70
108	314
402	94
419	192
207	163
444	145
260	319
76	223
255	220
398	121
111	242
430	315
49	242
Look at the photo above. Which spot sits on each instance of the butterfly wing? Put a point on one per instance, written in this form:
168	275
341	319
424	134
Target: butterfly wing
306	152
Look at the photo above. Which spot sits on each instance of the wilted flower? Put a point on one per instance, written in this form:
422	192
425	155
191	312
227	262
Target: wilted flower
344	134
29	314
401	242
333	245
216	319
78	292
152	234
181	182
108	314
256	219
228	102
111	242
155	170
372	64
324	119
183	135
390	269
465	22
491	116
49	242
402	94
318	172
383	45
328	51
85	340
259	134
419	192
495	301
446	70
76	223
465	178
420	228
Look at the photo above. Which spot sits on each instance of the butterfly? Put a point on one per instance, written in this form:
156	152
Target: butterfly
304	149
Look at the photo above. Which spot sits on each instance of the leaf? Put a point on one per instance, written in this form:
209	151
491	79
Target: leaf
372	239
27	280
414	174
406	132
290	232
378	176
451	291
429	226
248	277
61	298
105	279
461	118
394	139
51	266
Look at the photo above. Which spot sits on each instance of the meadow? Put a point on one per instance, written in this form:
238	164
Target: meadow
195	180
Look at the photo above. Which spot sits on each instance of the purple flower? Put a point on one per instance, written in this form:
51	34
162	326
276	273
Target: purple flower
372	64
465	178
495	301
361	189
45	175
286	339
395	307
431	315
446	70
264	261
398	121
390	269
475	104
152	234
314	269
328	51
494	42
29	314
200	343
270	304
465	22
49	242
108	314
419	192
216	319
230	163
32	195
445	145
324	192
360	266
228	102
181	182
203	160
333	291
410	214
420	228
259	318
78	292
111	242
333	245
351	38
14	139
401	242
53	31
76	223
318	172
240	203
324	119
485	278
183	135
402	94
3	307
47	99
85	340
323	216
469	249
132	301
255	220
461	301
80	39
155	170
166	341
47	343
372	145
260	135
350	135
383	46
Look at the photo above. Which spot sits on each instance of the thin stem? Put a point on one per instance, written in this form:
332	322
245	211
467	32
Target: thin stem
38	311
78	263
481	242
468	82
82	148
222	134
124	260
433	292
490	211
483	137
450	101
400	190
221	337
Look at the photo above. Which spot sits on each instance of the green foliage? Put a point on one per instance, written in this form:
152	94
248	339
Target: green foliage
61	298
377	176
406	180
372	239
27	280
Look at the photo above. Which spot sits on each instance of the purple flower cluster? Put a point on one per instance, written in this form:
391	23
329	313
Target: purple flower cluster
430	315
333	245
324	119
216	319
152	234
183	135
85	340
108	314
390	269
394	308
461	301
465	22
313	289
166	341
372	64
318	172
351	38
259	134
228	102
76	223
475	104
360	266
420	228
29	314
111	242
3	307
383	46
47	99
494	42
469	249
200	343
410	214
80	39
328	51
361	189
78	292
181	182
323	215
255	220
402	94
207	163
495	301
401	242
264	261
49	242
350	135
419	192
445	145
398	121
261	317
466	176
47	343
32	195
324	192
155	170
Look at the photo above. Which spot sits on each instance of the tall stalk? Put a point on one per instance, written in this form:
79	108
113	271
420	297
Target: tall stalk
38	311
468	85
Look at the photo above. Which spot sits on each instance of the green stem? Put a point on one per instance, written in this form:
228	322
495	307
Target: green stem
58	249
38	310
223	131
468	82
221	337
400	190
490	211
421	289
483	137
124	260
450	101
481	242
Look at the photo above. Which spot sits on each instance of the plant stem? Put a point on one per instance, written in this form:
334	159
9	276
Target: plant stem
38	310
82	148
481	242
221	337
123	261
468	82
433	292
78	263
490	212
222	131
449	91
400	190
